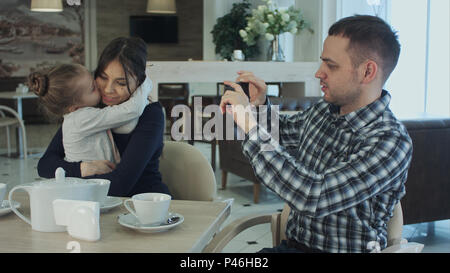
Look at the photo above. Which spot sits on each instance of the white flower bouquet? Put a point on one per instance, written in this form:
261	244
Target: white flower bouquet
268	21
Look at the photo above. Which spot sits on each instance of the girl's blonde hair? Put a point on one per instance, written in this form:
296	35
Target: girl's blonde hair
56	88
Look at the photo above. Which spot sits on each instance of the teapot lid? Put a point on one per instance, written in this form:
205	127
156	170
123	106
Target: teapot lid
61	180
69	182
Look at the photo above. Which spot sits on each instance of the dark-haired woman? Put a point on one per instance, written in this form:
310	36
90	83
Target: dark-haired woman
121	69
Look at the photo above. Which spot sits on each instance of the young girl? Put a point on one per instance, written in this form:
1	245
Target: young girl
69	91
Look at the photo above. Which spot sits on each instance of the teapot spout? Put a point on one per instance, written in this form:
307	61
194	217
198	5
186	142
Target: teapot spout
60	175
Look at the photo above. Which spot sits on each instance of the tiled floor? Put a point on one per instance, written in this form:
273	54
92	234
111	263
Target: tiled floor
15	171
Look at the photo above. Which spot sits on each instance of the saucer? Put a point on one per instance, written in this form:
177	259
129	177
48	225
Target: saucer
110	203
5	207
130	221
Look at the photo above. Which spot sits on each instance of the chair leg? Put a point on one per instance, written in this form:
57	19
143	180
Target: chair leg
256	188
24	141
224	179
8	141
213	155
430	229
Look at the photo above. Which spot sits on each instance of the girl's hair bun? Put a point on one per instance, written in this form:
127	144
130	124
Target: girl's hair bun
38	83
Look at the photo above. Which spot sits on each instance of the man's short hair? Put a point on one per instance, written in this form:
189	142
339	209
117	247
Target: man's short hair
370	38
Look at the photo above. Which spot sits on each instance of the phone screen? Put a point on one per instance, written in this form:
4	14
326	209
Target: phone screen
244	85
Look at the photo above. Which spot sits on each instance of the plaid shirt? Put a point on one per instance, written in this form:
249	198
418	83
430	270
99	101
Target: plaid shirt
341	175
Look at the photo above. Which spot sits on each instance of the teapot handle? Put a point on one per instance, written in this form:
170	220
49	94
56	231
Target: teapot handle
13	208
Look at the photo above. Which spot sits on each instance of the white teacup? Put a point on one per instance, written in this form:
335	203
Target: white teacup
150	208
2	192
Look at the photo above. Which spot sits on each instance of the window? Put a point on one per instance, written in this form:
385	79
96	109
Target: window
420	83
438	95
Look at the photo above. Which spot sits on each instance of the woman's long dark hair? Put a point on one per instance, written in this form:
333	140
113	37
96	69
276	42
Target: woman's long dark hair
131	52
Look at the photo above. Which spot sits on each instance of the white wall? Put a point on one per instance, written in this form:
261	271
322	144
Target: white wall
345	8
307	46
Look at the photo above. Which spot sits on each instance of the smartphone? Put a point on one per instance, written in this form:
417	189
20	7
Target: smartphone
244	86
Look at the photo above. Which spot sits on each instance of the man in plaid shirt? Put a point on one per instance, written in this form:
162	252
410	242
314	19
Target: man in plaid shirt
342	164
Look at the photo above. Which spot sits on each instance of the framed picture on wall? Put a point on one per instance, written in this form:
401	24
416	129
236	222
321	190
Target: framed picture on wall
32	40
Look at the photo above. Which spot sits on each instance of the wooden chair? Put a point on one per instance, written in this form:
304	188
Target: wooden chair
396	244
6	121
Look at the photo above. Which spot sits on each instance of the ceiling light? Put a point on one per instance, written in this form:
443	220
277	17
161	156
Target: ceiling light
46	5
161	6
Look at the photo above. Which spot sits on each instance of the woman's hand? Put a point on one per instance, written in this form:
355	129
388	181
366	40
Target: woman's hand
257	87
237	104
89	168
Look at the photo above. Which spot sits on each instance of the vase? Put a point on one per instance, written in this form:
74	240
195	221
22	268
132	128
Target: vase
275	53
238	56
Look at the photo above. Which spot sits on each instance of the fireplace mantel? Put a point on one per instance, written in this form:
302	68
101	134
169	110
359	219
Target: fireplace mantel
214	72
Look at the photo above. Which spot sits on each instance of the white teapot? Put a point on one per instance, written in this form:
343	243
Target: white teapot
43	193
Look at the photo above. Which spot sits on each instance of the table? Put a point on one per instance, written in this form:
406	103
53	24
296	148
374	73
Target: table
13	95
202	219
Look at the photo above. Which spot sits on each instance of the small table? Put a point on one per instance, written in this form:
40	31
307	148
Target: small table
202	219
12	95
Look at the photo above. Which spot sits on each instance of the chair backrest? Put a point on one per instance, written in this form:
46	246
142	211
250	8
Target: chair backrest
428	190
283	221
186	172
16	120
394	226
11	112
174	91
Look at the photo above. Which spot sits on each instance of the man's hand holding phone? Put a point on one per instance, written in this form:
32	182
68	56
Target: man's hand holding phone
244	86
236	102
257	88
